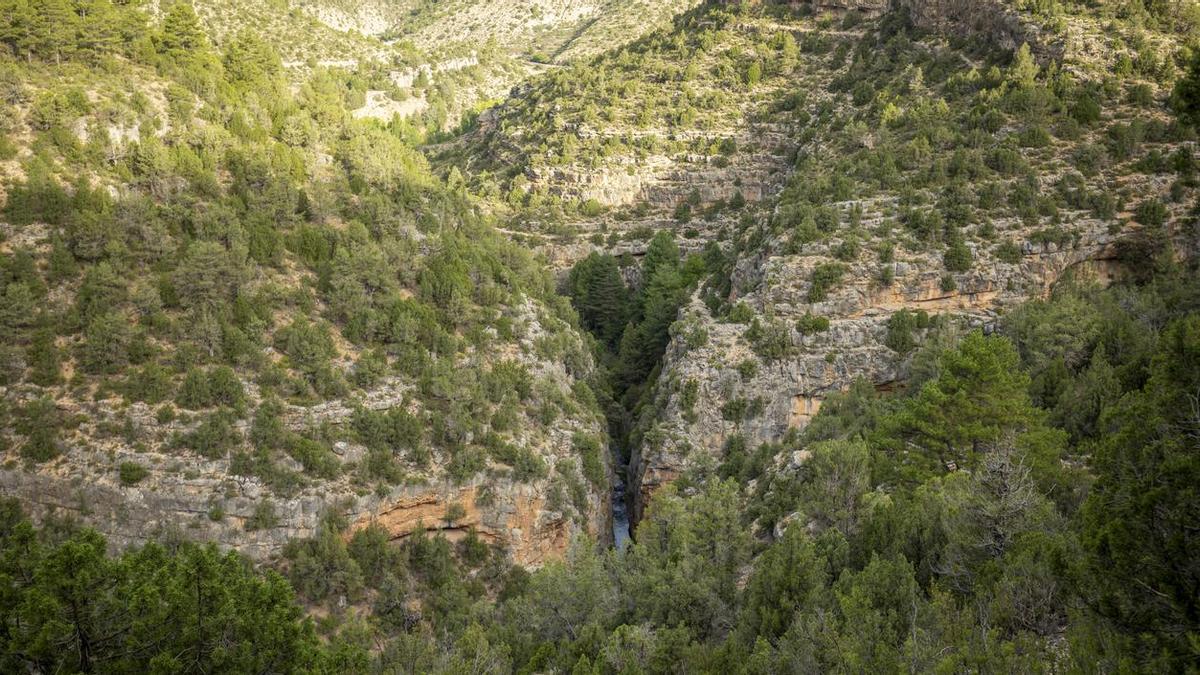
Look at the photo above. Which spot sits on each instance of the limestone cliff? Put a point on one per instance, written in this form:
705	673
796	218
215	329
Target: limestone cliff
691	421
755	377
178	492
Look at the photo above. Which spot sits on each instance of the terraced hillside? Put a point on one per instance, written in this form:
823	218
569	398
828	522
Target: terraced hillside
232	309
933	188
299	37
677	132
550	30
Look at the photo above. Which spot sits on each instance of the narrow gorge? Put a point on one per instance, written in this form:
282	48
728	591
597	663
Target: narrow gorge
599	337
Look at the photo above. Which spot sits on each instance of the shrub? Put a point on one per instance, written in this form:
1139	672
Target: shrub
591	209
847	250
887	275
1151	213
315	457
132	473
811	323
151	384
472	549
1086	108
307	345
263	517
528	466
39	420
106	344
957	257
683	212
824	277
754	73
1008	252
194	393
900	329
224	388
215	436
1034	137
740	313
589	448
770	339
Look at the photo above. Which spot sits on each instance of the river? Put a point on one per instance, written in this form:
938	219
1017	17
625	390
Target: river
620	513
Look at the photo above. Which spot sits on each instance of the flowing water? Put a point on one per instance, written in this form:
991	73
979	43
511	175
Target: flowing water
620	514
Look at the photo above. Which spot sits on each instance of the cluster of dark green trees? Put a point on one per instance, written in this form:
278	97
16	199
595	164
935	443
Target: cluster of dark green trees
68	606
631	321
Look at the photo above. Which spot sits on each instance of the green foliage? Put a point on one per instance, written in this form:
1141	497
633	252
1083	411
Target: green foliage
599	295
770	339
979	395
1151	213
590	457
957	257
810	324
933	529
131	473
73	608
825	277
40	422
214	437
1141	567
1185	99
1008	251
264	517
900	328
322	566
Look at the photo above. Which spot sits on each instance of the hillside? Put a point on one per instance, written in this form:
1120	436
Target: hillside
599	337
929	191
230	308
546	30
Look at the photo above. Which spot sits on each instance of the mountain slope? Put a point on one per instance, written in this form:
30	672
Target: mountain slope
230	308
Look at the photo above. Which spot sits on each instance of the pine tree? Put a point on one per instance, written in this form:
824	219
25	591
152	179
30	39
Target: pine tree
1185	99
1140	516
1024	69
599	295
250	61
181	34
53	30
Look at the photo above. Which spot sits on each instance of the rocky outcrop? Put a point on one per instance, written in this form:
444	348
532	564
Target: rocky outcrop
715	386
515	515
200	504
182	494
992	20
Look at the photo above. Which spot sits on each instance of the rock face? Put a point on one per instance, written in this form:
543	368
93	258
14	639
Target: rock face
515	515
705	380
186	495
991	20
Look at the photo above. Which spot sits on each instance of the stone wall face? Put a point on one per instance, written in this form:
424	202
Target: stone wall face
792	389
186	495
